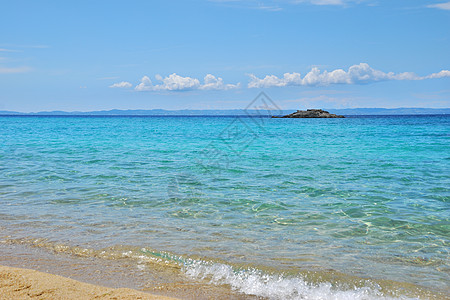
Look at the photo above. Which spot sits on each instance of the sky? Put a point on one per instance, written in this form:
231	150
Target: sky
220	54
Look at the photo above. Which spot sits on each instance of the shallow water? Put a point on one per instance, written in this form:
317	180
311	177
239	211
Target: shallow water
249	202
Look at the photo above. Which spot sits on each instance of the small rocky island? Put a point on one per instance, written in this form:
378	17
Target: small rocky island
310	113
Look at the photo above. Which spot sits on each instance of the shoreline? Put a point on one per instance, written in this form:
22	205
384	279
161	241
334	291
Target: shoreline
163	280
112	274
18	283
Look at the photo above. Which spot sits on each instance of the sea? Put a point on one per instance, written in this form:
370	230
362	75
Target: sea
265	208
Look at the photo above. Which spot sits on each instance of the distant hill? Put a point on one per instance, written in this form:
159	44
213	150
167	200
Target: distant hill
234	112
391	111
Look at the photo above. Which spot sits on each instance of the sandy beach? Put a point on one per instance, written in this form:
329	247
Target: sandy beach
18	283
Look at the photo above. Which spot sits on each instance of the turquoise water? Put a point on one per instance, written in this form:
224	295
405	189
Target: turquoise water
367	197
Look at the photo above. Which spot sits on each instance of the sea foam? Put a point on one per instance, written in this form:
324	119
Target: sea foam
255	282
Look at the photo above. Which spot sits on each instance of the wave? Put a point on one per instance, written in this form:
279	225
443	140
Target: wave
250	281
255	282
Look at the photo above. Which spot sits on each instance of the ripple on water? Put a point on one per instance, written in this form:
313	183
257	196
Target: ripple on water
357	195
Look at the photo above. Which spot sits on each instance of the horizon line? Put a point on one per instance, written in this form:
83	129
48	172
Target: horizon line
232	112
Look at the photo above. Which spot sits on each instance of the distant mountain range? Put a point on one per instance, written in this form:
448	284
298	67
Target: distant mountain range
234	112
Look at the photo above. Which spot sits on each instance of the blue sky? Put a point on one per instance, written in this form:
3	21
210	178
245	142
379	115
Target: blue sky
219	54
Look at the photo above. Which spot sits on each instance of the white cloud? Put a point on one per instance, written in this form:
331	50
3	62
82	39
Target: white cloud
213	83
145	85
175	82
123	84
445	5
4	70
172	82
356	74
441	74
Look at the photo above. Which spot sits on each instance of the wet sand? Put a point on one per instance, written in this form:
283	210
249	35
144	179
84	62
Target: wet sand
110	273
18	283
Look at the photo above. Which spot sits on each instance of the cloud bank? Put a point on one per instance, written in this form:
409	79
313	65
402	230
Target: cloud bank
356	74
175	82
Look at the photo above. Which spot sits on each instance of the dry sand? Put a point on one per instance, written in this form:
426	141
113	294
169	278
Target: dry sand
30	284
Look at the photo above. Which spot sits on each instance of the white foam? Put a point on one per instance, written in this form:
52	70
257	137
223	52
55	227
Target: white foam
254	282
276	287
